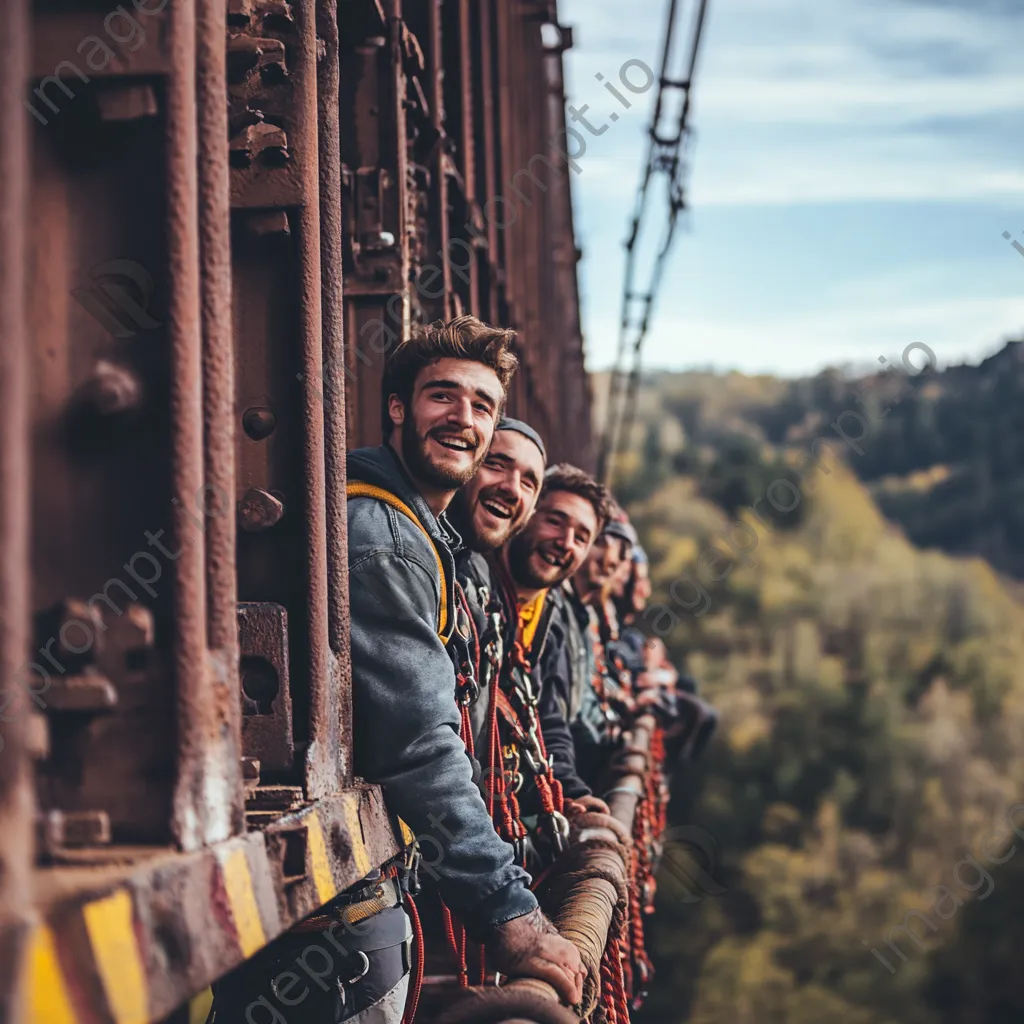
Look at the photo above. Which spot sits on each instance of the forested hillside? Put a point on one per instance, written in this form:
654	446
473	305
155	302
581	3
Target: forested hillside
945	461
872	700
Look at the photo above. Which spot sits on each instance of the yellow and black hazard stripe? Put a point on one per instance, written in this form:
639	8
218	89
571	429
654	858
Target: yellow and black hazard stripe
161	934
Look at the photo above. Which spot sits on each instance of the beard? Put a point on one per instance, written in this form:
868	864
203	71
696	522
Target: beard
414	451
519	566
462	515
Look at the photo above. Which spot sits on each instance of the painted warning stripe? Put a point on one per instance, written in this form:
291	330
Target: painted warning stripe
46	992
199	1007
350	808
408	836
94	959
242	899
323	876
111	927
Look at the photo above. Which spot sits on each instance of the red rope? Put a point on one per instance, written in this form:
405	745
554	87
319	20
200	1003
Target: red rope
648	826
493	750
466	729
613	994
621	1003
412	999
457	944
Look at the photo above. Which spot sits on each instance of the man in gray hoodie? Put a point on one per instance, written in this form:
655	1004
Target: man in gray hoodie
443	393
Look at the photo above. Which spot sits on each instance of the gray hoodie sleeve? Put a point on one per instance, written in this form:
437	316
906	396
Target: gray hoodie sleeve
406	739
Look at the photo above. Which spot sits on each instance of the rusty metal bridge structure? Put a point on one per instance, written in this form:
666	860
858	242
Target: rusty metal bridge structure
216	217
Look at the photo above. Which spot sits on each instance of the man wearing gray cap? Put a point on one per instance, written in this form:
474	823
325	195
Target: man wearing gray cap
487	511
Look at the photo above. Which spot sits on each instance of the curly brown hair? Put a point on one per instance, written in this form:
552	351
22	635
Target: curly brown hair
565	477
465	337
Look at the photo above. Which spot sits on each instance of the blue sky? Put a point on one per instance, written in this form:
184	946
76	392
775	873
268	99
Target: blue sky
854	167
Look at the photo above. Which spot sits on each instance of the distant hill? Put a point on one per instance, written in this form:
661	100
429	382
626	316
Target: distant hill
946	461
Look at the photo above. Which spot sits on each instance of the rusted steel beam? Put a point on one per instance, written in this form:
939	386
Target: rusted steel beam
322	767
488	142
506	139
332	322
574	407
202	802
438	248
379	295
467	140
236	419
134	940
219	397
101	499
16	797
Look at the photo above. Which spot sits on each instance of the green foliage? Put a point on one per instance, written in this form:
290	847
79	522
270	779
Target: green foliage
739	476
872	733
943	453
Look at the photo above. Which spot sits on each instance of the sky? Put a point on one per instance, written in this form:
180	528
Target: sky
853	168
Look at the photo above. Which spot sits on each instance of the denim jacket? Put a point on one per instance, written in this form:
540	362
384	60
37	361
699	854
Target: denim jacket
405	720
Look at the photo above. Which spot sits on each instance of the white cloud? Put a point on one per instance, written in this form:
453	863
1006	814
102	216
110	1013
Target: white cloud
858	97
815	101
804	342
801	102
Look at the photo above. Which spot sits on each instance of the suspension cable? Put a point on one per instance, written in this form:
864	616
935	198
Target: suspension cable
666	159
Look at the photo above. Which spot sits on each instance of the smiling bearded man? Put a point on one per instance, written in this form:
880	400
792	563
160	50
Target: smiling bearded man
501	497
443	394
492	507
534	664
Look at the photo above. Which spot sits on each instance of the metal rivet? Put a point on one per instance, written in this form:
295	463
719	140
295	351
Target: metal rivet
259	422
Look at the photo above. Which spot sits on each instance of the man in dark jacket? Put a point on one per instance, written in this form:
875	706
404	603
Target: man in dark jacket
589	700
444	392
570	515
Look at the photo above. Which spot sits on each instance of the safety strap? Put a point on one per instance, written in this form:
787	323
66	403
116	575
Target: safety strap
510	715
358	489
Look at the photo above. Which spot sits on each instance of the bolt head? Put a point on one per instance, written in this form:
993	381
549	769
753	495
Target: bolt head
259	422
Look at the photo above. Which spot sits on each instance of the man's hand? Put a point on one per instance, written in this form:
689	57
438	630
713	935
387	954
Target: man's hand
587	803
530	947
590	812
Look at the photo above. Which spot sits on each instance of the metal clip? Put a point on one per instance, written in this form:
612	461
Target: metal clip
520	848
559	831
537	762
363	970
469	693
